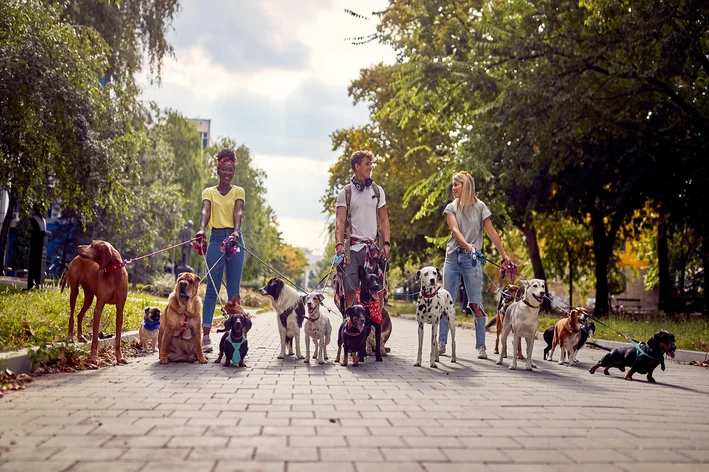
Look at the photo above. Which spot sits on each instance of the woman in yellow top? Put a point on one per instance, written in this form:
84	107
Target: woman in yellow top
222	207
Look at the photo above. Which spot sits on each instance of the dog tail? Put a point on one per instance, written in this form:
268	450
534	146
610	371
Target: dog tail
63	282
491	323
599	346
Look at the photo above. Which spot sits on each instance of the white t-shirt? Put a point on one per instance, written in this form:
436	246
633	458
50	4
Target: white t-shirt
363	212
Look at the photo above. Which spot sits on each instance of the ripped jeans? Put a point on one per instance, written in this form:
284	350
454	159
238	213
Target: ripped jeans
460	265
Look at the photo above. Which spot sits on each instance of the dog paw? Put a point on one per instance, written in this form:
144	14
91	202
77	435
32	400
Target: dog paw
534	365
528	368
417	364
306	361
163	361
453	360
281	356
300	356
321	361
434	366
121	361
560	362
512	367
651	380
379	359
499	362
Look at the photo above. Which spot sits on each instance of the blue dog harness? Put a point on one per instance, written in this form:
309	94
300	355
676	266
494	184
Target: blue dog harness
236	357
151	325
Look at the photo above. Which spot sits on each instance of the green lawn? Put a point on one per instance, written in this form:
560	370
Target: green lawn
23	312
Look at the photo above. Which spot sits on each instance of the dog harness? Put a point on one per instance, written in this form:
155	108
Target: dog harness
375	310
236	357
284	316
150	325
184	327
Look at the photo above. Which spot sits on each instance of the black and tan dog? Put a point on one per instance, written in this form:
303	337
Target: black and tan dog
587	331
352	334
370	297
643	359
234	344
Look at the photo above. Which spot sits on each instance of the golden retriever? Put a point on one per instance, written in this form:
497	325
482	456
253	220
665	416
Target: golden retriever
180	336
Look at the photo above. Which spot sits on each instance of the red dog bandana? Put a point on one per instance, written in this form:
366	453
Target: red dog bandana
375	311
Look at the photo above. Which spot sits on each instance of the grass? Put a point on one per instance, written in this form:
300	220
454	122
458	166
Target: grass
23	313
691	334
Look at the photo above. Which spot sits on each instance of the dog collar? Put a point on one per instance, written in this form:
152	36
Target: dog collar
113	267
311	319
184	327
426	295
529	304
151	325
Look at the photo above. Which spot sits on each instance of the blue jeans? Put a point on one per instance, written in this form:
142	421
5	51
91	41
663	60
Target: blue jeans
457	265
234	268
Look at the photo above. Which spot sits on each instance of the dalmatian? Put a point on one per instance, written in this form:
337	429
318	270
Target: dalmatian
433	303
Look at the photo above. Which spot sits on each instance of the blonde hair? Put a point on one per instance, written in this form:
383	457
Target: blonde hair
467	197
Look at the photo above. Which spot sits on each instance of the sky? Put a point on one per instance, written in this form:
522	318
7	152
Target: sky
273	75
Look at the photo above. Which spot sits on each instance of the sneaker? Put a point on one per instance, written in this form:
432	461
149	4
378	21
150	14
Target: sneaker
206	344
441	349
481	353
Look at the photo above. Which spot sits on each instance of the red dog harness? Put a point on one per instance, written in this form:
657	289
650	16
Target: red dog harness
184	328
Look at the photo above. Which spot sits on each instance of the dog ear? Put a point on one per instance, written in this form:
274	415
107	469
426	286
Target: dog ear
320	297
233	300
418	276
303	299
103	254
147	310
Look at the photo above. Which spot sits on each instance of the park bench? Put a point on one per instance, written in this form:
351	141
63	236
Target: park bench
629	305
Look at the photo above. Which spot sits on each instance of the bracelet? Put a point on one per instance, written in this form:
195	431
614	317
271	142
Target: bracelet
387	243
339	244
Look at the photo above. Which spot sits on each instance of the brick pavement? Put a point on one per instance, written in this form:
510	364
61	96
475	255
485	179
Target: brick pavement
287	416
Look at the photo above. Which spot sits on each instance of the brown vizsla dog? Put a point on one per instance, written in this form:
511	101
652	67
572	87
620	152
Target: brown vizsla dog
180	337
81	273
506	299
111	289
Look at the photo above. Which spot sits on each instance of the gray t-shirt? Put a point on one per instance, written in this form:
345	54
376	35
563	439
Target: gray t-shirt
470	222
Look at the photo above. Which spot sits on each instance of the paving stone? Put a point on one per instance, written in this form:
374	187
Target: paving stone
286	416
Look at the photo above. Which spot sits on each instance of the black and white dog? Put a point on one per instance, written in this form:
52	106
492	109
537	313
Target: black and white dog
290	311
434	303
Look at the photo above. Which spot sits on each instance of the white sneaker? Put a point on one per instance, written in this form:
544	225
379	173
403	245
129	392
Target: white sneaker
481	353
206	344
441	349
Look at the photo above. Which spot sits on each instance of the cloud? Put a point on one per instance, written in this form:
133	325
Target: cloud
273	75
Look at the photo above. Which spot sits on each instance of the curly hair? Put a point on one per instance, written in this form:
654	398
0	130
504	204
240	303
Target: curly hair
226	152
359	156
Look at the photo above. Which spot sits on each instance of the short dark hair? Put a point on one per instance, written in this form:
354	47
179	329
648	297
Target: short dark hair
226	152
359	156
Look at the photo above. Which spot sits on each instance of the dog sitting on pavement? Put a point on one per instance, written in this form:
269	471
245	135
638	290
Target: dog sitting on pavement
234	344
434	302
317	326
353	333
150	328
290	312
567	335
642	358
522	319
180	336
370	297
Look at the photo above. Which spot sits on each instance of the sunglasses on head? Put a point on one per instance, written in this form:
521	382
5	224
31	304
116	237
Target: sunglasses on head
464	172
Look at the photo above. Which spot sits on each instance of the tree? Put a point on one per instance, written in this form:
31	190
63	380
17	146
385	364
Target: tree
292	263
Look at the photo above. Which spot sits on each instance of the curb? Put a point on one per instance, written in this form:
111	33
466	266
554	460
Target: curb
681	355
19	361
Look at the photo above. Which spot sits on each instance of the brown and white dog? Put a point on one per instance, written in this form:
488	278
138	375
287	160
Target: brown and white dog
111	289
522	318
567	335
317	326
180	336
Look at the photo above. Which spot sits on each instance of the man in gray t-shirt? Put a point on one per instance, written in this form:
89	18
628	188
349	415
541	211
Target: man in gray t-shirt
470	222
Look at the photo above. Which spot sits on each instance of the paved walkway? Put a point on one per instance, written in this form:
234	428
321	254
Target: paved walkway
287	416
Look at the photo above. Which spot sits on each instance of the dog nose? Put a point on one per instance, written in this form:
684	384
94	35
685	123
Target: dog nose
433	281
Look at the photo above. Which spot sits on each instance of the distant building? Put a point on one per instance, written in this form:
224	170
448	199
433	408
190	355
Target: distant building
204	127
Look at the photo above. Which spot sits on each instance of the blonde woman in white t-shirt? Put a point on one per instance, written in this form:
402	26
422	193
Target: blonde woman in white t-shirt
222	209
467	216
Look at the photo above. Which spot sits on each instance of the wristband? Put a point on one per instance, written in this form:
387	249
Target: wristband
339	244
387	243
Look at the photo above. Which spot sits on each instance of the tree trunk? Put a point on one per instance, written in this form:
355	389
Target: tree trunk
602	249
5	231
571	281
530	236
663	266
705	262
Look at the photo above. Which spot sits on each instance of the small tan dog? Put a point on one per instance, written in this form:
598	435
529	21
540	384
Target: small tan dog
180	335
567	335
150	328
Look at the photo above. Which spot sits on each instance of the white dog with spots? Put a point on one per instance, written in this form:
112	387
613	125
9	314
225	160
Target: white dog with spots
317	326
522	318
434	302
